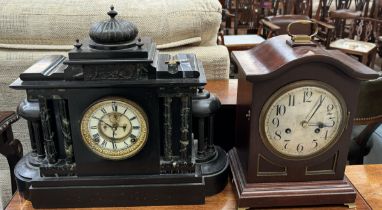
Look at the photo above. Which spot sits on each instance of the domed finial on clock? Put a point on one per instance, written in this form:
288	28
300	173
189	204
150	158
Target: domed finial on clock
139	43
113	31
112	13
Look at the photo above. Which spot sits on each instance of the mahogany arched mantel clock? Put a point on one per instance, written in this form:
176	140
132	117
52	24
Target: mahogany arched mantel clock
295	107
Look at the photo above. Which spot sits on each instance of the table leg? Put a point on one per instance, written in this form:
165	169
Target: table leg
372	54
364	58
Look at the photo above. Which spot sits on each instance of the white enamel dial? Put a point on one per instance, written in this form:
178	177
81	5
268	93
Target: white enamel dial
302	119
114	128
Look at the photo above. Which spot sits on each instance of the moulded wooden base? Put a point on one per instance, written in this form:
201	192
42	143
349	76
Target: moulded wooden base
287	194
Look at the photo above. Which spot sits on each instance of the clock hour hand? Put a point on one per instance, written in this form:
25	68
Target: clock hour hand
123	126
319	125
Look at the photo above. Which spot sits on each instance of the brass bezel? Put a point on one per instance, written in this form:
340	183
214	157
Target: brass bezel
120	154
291	86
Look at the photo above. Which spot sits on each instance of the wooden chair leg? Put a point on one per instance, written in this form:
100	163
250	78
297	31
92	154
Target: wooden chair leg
359	149
9	147
364	136
12	159
373	55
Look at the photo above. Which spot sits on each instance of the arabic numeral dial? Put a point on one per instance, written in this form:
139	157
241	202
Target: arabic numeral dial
302	119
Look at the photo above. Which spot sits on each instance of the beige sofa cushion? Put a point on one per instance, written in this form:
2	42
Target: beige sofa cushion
60	22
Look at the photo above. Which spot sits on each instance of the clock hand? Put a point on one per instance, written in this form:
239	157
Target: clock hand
113	140
123	126
310	115
319	124
103	122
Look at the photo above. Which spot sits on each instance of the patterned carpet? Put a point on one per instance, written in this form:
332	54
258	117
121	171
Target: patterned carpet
5	187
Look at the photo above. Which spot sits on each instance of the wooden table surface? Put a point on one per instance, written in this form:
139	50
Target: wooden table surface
225	90
353	46
368	181
366	50
366	178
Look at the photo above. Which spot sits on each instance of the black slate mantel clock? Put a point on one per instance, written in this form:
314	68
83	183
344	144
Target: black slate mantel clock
295	107
111	125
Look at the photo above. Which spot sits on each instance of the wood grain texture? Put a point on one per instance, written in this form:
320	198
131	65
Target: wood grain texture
326	192
225	90
257	66
368	181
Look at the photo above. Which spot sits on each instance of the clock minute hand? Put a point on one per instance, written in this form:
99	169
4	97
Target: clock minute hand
103	122
312	113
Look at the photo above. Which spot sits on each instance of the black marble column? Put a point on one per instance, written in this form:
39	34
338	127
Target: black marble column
50	147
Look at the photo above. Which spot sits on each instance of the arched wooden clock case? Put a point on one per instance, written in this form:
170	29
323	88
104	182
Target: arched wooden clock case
111	125
274	167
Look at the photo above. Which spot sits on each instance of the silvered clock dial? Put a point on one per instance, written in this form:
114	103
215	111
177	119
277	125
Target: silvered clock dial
302	119
114	128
